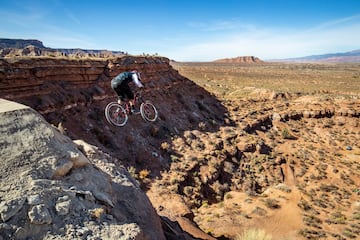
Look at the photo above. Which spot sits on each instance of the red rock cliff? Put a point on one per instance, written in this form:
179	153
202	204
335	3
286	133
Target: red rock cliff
75	93
44	83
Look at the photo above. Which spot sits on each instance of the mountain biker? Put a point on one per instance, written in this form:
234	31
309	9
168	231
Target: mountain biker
120	84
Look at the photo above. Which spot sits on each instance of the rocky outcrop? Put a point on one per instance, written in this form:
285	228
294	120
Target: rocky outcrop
243	59
53	188
46	76
49	84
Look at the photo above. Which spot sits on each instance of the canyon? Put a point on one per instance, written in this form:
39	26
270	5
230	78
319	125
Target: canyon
212	168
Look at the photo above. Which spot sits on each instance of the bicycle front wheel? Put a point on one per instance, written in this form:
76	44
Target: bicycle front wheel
115	114
148	111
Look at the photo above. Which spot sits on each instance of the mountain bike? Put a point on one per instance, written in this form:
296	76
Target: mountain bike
118	114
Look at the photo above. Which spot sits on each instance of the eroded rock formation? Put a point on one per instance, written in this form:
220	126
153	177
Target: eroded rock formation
50	188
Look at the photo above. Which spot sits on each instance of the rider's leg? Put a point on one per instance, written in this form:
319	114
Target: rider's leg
119	91
132	108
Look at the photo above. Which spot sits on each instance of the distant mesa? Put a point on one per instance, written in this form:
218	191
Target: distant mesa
242	59
32	47
20	43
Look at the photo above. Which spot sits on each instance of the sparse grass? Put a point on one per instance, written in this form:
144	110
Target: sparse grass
253	234
285	133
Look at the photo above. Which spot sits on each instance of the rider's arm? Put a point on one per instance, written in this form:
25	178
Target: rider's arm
137	81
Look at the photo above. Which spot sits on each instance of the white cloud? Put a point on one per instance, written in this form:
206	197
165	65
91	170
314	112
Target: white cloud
72	17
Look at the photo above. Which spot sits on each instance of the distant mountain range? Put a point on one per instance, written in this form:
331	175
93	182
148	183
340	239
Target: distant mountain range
31	47
345	57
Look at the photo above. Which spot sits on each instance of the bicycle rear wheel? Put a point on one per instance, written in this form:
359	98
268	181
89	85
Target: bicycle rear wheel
148	111
115	114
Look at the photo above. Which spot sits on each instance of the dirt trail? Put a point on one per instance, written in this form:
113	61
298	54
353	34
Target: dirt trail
285	222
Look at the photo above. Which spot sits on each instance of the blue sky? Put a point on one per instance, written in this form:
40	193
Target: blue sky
197	30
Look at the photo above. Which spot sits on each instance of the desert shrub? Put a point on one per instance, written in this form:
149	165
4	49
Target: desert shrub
312	234
259	211
143	174
132	171
283	187
97	213
228	195
174	158
205	204
356	216
253	234
337	218
202	126
304	205
321	203
355	228
312	221
328	188
272	203
165	146
188	191
348	233
285	133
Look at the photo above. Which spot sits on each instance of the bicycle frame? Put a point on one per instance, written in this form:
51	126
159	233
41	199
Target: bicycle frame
137	98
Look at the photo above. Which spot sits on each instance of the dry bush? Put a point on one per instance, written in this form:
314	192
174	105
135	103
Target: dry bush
97	213
312	221
61	128
202	126
253	234
312	234
349	233
272	203
165	146
285	133
283	187
143	174
132	171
